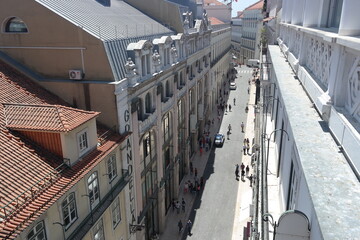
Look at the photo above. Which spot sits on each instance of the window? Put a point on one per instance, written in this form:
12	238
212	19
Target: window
148	103
167	89
38	232
111	164
69	210
166	127
93	190
98	230
115	212
15	25
335	13
82	140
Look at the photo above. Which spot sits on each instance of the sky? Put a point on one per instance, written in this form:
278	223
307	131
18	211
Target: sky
239	5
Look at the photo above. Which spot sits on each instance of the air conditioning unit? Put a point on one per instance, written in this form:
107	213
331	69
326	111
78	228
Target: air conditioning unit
75	74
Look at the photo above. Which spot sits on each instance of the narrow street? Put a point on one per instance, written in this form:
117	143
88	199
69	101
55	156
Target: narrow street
214	210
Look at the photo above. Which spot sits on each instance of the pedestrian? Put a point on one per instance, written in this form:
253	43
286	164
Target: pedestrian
234	101
251	179
246	109
248	90
228	135
242	126
229	107
186	187
173	204
248	149
237	171
201	182
242	174
177	205
229	128
180	225
183	204
189	225
196	172
247	141
247	170
242	166
226	107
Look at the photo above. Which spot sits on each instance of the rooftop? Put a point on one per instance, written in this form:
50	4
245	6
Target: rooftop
32	178
333	186
255	6
215	21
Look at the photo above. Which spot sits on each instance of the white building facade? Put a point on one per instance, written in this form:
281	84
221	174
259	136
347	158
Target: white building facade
314	96
252	22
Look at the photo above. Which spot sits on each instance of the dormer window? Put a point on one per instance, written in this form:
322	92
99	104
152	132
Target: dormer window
15	25
82	141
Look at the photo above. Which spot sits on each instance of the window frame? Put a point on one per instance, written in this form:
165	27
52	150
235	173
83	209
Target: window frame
99	228
96	201
37	232
8	23
68	206
111	168
80	140
116	215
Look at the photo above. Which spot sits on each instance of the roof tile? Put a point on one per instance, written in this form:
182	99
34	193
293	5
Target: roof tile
31	178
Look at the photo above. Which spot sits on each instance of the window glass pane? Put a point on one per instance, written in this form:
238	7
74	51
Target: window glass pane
16	25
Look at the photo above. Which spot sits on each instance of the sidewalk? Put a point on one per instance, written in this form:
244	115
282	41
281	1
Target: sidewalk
245	195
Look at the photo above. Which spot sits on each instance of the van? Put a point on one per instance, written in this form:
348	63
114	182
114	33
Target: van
253	63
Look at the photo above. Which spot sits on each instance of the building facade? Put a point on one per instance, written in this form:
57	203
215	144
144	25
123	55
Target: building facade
313	74
155	78
252	23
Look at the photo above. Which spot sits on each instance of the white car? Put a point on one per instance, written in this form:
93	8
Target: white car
232	86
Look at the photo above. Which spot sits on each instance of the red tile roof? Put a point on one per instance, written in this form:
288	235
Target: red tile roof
257	5
215	21
49	118
31	178
213	3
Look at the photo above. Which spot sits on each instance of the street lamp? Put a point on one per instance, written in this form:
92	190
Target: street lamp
266	108
268	145
265	218
92	218
62	227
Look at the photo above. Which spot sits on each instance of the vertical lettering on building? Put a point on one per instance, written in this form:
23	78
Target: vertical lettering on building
129	160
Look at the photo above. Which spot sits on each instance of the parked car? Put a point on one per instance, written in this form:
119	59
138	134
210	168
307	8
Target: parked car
219	140
253	63
232	86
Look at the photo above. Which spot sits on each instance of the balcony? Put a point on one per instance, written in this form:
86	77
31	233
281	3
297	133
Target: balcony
104	204
148	121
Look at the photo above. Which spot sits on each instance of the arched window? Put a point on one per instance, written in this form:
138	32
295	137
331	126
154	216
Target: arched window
148	103
15	25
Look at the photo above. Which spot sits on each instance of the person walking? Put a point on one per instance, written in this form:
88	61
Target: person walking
234	101
244	149
251	180
247	149
229	128
180	225
242	166
226	107
237	171
229	107
183	204
242	126
246	109
177	205
189	225
247	169
242	175
195	172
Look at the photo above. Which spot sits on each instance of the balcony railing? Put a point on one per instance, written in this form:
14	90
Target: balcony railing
98	211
